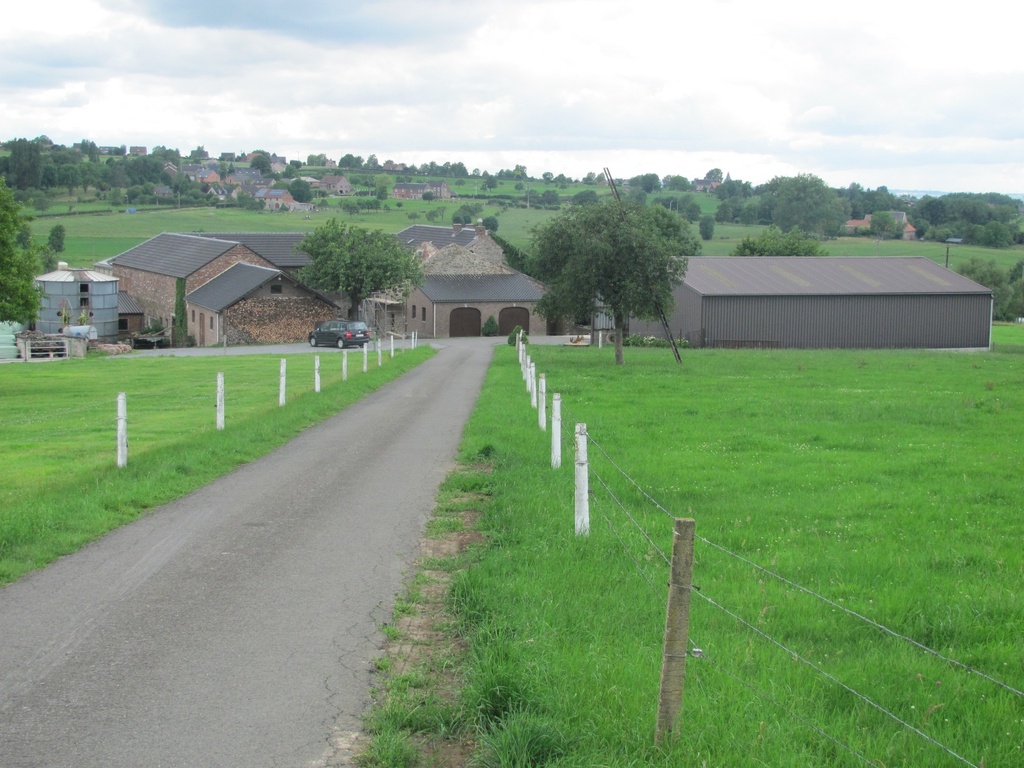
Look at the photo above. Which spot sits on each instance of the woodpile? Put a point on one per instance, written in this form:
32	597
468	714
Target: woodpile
283	320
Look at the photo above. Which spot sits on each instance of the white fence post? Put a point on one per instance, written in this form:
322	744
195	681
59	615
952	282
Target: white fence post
316	373
542	402
220	401
366	352
533	385
600	339
281	384
392	346
344	365
122	429
556	431
380	353
582	483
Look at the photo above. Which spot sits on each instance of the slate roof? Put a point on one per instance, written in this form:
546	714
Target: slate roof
813	276
279	248
231	285
513	287
173	254
440	237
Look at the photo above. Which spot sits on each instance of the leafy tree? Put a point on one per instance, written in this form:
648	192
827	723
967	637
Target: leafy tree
707	227
55	241
586	197
382	185
25	164
648	182
19	297
301	190
491	223
490	182
357	263
773	242
678	184
627	257
806	202
514	257
261	162
885	226
550	197
725	212
987	273
715	174
317	160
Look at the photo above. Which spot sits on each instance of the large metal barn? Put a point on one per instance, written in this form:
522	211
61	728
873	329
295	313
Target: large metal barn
827	303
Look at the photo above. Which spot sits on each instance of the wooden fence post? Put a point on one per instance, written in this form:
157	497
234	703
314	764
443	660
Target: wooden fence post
677	630
122	429
582	483
220	401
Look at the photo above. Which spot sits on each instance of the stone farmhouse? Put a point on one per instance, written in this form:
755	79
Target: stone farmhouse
900	217
466	280
334	185
150	273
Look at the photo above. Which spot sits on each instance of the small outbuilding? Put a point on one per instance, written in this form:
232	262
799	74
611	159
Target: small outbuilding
827	303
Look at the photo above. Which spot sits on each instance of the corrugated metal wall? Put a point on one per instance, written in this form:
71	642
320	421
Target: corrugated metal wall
944	321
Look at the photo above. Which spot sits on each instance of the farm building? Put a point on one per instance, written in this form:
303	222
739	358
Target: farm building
249	304
466	280
819	303
78	297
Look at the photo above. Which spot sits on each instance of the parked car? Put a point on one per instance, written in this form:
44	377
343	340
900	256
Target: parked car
340	334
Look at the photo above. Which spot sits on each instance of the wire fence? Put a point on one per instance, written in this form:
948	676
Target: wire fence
622	517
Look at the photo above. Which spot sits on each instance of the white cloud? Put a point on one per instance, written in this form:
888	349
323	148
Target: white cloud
874	93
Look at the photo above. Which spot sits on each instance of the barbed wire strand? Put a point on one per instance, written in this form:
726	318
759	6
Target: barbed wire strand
703	656
836	680
625	548
872	622
920	646
644	533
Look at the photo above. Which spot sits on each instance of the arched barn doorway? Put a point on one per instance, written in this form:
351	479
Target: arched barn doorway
510	317
464	321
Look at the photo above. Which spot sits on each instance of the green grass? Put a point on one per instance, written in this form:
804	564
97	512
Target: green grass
888	482
60	487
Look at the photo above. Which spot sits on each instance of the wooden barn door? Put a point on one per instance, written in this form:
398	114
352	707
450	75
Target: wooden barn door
464	321
510	317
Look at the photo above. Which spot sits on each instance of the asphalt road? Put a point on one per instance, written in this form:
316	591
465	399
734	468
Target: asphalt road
238	625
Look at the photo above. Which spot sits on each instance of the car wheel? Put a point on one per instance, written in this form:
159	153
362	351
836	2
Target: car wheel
312	341
341	343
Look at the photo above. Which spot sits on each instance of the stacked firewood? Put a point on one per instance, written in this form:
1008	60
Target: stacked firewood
276	321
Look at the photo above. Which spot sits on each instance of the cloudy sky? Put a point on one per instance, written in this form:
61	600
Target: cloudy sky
906	95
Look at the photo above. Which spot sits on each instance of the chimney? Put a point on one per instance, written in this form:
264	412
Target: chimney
481	230
456	228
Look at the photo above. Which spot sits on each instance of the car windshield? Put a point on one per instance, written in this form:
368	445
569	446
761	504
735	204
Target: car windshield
357	326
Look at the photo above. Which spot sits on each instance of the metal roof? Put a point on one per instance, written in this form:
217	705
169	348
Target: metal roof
478	288
75	276
172	254
231	285
279	248
811	276
126	304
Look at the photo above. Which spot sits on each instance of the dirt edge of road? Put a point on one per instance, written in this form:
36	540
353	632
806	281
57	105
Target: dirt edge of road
420	641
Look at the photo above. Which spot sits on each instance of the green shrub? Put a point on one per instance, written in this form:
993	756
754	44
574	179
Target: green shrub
635	340
515	332
490	327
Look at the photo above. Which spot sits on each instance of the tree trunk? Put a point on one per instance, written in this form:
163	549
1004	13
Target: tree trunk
620	323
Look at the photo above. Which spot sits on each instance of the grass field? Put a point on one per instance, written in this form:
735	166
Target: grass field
60	486
886	482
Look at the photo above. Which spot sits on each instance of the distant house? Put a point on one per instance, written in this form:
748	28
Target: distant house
336	185
162	190
466	281
245	176
416	190
218	191
277	199
706	185
853	226
248	304
138	151
227	157
392	167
